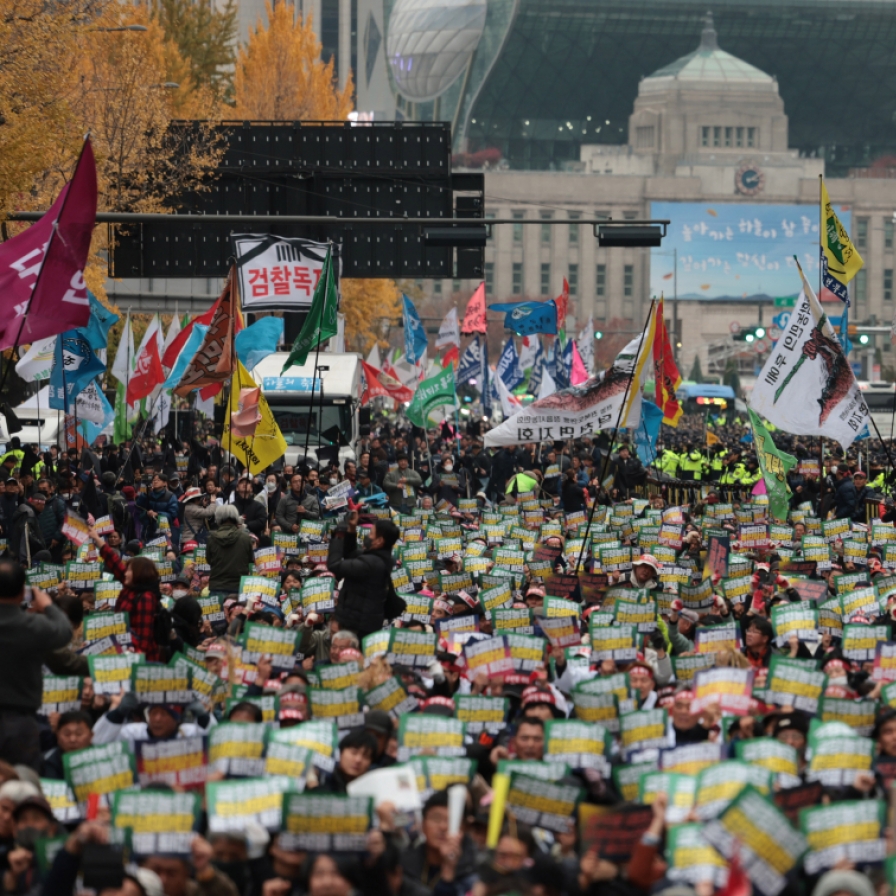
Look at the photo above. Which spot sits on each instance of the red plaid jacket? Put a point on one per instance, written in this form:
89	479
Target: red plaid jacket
141	607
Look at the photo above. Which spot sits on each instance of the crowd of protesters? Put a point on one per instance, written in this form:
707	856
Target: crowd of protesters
605	654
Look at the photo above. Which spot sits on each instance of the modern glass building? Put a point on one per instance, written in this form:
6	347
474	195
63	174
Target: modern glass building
547	76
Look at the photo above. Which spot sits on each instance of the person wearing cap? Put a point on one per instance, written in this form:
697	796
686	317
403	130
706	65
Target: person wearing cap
366	488
379	723
863	494
33	820
792	729
198	512
230	552
645	574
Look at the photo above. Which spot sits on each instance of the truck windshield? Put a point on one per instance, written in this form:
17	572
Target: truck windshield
295	419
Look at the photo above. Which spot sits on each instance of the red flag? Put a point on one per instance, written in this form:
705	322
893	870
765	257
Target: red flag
452	356
42	270
382	385
213	363
738	883
562	302
474	316
73	437
148	371
665	371
578	374
176	347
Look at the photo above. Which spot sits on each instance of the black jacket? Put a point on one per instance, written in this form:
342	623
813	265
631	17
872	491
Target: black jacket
365	576
253	512
846	498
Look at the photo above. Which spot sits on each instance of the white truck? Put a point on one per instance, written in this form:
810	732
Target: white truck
302	415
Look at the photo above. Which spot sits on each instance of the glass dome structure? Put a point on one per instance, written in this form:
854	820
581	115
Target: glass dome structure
431	42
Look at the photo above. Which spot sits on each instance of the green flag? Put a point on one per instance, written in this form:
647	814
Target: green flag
320	324
431	394
775	466
122	427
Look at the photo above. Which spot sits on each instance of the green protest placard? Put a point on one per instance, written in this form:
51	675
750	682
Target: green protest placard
561	631
641	615
103	625
692	860
543	804
437	734
845	831
800	619
418	608
481	713
232	805
61	799
434	773
391	697
768	752
325	823
112	674
318	735
643	729
211	609
61	693
407	648
517	620
154	684
288	760
280	644
578	744
691	759
526	652
616	642
99	769
858	714
317	595
159	822
859	601
626	778
81	576
343	706
105	595
180	763
686	667
835	761
337	676
235	749
718	785
679	789
860	641
760	833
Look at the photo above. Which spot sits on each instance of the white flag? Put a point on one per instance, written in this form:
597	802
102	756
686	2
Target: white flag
373	359
510	404
449	330
547	386
807	386
585	343
124	359
173	330
528	352
37	362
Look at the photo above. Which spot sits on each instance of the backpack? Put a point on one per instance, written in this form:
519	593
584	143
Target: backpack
118	511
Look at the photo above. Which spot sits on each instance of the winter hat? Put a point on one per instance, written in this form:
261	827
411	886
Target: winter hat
850	881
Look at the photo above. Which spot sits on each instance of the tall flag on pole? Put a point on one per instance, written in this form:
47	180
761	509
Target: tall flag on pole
449	330
148	363
562	364
121	370
42	269
585	342
537	373
840	260
562	302
510	404
485	384
414	334
36	363
508	368
382	385
263	443
775	466
529	348
321	323
667	379
577	373
431	394
470	365
74	366
528	318
474	317
807	386
173	350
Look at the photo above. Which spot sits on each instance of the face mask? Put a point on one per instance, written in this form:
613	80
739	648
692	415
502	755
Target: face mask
179	593
334	481
448	467
271	486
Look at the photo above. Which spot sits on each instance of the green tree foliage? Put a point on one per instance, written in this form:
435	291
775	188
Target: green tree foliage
205	37
696	371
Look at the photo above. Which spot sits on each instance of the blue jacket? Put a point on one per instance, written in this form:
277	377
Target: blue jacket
163	503
845	498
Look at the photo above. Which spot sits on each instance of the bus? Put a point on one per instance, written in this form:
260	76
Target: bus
881	400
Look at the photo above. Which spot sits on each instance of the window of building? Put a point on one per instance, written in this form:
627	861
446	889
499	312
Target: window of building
729	137
752	136
517	285
573	229
644	137
545	229
860	283
861	233
546	279
888	285
888	233
704	136
628	281
739	137
630	216
517	226
489	277
455	286
437	287
716	136
573	279
490	216
600	280
600	310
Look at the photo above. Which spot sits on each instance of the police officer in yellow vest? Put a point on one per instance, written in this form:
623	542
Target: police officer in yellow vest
690	465
15	452
733	471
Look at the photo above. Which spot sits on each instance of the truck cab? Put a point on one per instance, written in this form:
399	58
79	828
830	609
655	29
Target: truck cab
306	407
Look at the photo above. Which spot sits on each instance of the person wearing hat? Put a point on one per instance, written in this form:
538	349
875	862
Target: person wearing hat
792	728
33	820
645	574
164	721
198	511
366	487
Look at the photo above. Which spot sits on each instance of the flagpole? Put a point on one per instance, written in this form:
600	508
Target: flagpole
328	266
235	310
606	462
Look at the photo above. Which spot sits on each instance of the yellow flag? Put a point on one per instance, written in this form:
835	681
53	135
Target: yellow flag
841	257
268	444
712	439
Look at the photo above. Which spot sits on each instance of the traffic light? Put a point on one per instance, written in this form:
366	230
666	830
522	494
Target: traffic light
598	334
750	334
864	339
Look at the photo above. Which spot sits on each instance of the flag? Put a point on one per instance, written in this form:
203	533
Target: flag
267	445
638	352
562	302
843	336
449	330
431	394
712	439
537	372
321	323
577	374
37	362
586	346
508	366
775	465
529	348
510	404
72	434
93	406
806	386
177	344
148	371
485	381
121	370
101	320
576	411
259	340
667	379
528	318
373	359
840	260
647	432
173	332
382	385
474	316
42	269
197	335
74	366
213	363
563	365
470	365
414	334
452	356
546	387
247	416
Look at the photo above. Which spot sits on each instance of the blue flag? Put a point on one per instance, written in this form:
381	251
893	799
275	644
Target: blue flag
74	366
258	341
191	346
647	432
414	334
101	321
485	384
845	341
562	366
526	318
470	364
509	366
536	373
